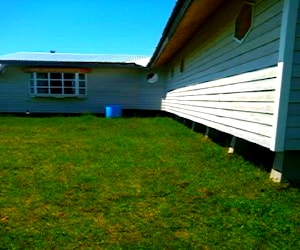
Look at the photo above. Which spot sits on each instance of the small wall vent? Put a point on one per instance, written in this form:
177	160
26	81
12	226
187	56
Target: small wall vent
152	77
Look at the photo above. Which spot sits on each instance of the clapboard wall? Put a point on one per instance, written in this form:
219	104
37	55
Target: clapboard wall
104	86
227	85
151	94
293	121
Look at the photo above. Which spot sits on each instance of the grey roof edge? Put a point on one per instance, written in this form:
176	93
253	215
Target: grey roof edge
65	58
71	64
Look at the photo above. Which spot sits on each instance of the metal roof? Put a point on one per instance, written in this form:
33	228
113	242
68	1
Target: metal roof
73	58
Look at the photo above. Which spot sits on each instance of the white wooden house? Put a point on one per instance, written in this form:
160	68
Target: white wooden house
230	65
75	83
234	66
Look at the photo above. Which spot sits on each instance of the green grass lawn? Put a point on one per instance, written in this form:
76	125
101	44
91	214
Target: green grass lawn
138	183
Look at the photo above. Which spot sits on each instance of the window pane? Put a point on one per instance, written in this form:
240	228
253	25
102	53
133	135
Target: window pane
31	75
69	83
181	66
55	83
42	90
42	83
31	90
82	84
56	90
31	83
69	91
82	91
69	76
172	72
55	75
243	22
42	75
81	76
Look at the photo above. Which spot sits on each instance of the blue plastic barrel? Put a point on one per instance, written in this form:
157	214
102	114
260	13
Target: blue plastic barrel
112	111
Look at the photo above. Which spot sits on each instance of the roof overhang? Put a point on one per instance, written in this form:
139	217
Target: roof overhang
73	60
69	64
187	17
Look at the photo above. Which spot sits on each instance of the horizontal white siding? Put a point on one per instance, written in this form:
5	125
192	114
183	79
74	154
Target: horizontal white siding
213	53
150	97
293	121
104	86
227	85
113	86
14	90
241	105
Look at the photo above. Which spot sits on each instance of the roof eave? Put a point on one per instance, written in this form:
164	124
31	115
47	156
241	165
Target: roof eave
173	21
187	17
69	64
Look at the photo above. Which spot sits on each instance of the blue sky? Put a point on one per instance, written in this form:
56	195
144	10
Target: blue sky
83	26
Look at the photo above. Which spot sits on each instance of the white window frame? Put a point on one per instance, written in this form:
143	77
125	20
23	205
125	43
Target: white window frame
182	66
252	5
79	88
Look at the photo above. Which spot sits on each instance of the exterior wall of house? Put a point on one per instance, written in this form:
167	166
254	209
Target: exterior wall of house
228	85
293	121
13	94
151	94
104	86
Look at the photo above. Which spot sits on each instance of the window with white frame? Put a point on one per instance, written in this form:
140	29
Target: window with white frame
181	67
172	72
243	21
57	84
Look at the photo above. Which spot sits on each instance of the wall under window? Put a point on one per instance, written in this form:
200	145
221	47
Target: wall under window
103	86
